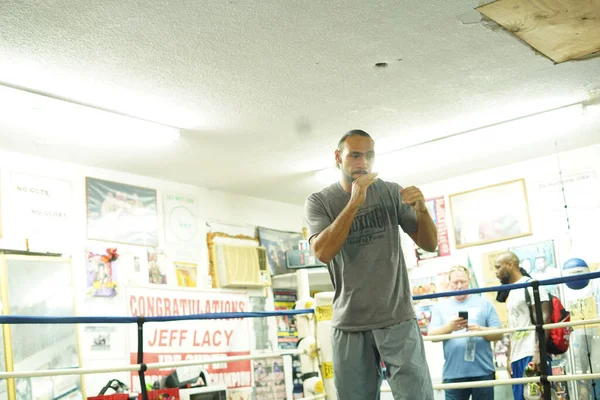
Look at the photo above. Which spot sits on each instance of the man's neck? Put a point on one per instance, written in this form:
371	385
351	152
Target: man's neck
514	278
347	186
461	299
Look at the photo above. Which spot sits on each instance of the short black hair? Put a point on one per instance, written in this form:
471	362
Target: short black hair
353	132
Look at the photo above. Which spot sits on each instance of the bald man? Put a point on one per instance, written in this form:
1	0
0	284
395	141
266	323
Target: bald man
523	345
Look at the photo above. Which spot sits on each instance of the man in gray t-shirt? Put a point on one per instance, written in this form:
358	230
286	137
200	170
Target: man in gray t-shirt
354	227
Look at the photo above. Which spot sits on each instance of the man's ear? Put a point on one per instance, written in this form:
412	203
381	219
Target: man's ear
338	157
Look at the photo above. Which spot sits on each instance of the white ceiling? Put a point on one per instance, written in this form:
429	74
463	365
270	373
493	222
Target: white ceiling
264	89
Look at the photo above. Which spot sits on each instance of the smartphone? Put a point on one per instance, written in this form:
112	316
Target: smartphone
464	315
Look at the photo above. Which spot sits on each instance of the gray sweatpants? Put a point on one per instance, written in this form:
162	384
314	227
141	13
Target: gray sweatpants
357	367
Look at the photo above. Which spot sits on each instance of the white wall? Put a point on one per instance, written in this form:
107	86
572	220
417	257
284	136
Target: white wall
214	206
547	214
547	211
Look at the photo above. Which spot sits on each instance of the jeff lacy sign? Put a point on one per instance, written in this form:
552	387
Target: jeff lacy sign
192	339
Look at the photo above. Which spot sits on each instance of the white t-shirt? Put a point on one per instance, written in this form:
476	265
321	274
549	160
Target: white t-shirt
522	344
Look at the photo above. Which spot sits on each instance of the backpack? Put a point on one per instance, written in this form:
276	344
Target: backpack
558	342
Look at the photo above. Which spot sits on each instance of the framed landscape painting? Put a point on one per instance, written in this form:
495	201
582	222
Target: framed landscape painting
490	214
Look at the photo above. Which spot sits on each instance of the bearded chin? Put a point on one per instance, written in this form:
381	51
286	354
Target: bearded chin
504	281
348	178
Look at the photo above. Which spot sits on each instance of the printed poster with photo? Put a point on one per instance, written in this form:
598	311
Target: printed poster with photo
41	210
121	213
269	379
260	325
104	342
424	313
184	232
101	272
191	339
186	274
157	267
539	260
277	243
437	210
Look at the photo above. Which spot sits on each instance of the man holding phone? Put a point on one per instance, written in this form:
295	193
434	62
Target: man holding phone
466	359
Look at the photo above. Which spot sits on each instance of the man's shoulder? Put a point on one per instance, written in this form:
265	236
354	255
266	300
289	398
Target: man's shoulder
325	193
483	301
388	184
443	304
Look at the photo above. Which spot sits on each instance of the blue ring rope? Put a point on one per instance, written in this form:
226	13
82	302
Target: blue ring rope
19	319
545	282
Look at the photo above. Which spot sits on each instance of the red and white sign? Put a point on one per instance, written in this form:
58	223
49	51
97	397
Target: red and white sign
437	210
192	339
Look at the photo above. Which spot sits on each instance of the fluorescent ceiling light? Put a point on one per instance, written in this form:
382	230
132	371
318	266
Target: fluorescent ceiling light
327	176
57	122
510	135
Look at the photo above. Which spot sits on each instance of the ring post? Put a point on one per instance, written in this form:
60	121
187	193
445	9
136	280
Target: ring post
140	357
323	315
541	333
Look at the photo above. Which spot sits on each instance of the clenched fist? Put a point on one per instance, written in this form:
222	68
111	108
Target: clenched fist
359	188
413	197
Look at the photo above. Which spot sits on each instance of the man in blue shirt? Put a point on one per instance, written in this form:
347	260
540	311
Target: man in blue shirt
466	359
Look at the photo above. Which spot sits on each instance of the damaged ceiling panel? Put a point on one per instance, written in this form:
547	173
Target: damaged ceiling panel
562	30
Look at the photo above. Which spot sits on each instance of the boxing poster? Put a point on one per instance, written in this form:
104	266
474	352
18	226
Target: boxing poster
121	213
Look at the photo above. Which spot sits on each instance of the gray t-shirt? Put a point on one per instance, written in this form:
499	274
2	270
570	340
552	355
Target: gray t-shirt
369	273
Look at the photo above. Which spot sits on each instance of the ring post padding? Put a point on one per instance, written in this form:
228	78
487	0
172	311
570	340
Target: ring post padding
140	357
323	314
541	334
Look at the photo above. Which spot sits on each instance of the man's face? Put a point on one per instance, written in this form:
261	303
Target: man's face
540	264
356	158
459	280
503	270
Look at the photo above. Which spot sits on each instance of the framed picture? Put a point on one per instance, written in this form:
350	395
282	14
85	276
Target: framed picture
539	260
277	243
101	273
490	214
121	213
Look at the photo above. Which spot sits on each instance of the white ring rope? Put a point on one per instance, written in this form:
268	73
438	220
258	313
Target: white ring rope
191	363
137	367
67	371
509	330
512	381
155	366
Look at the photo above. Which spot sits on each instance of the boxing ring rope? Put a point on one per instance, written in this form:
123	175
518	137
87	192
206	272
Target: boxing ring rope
511	330
545	380
141	367
150	366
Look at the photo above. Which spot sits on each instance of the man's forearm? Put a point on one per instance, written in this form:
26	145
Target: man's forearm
442	330
427	238
328	243
493	337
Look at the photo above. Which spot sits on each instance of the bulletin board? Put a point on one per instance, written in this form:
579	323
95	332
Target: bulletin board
39	286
